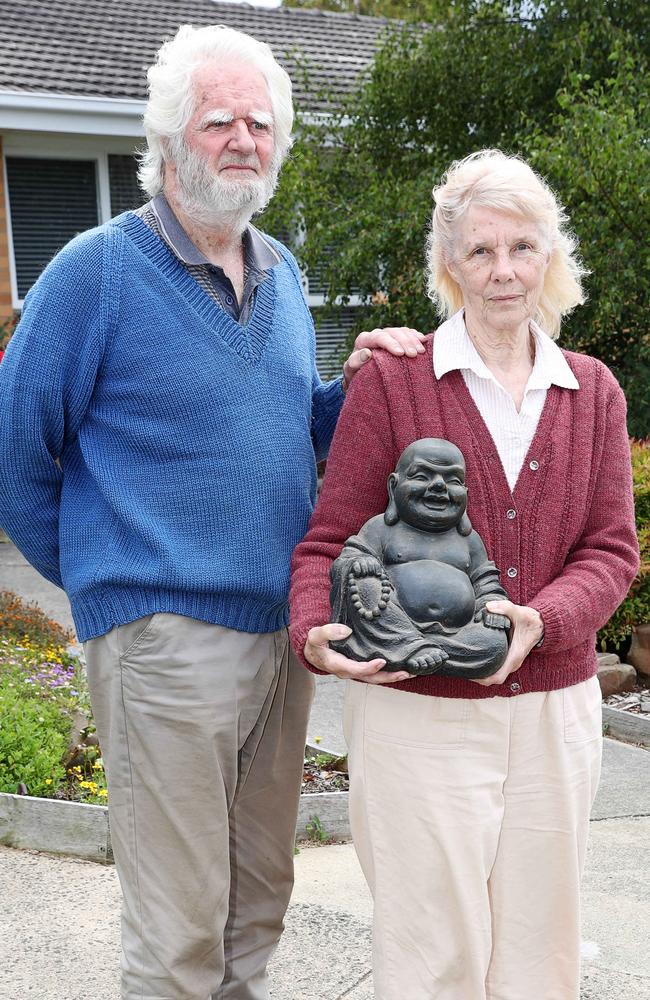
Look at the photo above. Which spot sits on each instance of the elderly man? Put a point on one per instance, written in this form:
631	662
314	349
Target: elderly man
161	417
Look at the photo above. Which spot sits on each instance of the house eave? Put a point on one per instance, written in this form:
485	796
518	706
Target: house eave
71	114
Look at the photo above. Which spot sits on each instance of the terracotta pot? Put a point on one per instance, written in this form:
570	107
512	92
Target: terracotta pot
639	654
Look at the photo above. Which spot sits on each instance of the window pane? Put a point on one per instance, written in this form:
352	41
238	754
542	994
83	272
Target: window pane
331	336
50	202
126	193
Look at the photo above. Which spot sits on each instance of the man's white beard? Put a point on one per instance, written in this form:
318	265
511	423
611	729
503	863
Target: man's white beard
210	200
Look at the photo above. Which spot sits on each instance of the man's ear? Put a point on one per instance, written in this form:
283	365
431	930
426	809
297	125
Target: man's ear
391	516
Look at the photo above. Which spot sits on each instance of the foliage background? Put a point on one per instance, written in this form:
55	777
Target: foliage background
635	609
565	84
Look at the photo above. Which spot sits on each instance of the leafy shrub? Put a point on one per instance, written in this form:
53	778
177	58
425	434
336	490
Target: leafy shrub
34	735
635	609
43	695
39	693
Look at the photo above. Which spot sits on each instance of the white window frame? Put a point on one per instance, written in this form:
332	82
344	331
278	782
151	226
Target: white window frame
55	146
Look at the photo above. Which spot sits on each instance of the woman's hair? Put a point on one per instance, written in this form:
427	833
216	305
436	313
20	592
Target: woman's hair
492	179
171	93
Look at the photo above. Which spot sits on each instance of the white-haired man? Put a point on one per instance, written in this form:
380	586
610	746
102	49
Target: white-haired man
162	415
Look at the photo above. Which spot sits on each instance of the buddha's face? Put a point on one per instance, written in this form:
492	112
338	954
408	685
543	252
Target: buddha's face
428	486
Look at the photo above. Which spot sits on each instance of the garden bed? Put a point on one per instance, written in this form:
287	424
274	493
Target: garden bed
626	716
82	830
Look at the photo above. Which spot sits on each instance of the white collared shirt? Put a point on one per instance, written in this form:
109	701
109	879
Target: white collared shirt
511	431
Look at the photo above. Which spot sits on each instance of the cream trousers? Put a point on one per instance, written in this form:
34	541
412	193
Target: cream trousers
202	731
470	819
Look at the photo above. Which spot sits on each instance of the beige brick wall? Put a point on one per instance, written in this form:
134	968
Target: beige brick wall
6	308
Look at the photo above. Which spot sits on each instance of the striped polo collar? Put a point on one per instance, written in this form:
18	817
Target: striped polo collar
259	254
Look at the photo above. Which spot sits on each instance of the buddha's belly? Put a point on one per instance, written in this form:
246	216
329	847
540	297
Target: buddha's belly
430	591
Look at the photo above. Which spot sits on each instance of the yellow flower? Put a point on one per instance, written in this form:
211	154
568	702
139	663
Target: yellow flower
98	766
48	781
103	792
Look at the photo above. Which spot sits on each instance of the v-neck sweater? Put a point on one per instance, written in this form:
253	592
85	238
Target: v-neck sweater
187	442
564	539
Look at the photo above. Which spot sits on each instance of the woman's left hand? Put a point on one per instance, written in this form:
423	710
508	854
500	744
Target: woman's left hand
527	630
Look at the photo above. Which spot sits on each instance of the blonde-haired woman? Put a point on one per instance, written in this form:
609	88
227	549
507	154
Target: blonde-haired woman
470	800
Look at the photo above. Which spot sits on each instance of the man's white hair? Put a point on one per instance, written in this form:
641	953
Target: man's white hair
492	179
171	94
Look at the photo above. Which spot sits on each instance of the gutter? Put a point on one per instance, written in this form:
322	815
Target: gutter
46	112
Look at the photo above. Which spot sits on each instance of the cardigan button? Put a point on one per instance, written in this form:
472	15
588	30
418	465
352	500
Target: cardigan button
534	465
511	514
515	687
512	572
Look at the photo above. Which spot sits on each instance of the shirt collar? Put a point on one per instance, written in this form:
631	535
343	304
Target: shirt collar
453	349
259	254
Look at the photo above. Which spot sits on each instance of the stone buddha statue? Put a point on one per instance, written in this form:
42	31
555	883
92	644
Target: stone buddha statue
413	583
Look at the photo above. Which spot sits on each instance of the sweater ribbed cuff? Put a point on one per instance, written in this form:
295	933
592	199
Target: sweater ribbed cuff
554	626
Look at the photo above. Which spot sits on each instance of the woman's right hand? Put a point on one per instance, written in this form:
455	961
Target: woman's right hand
319	654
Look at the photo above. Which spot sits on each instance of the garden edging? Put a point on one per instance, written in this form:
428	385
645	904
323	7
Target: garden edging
82	831
627	726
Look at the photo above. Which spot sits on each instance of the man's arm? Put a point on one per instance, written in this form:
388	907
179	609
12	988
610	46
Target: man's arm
46	379
346	502
328	398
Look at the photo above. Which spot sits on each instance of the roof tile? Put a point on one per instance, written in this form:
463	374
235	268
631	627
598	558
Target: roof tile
103	48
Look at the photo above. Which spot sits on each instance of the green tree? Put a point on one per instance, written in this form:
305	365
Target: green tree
595	151
564	85
410	10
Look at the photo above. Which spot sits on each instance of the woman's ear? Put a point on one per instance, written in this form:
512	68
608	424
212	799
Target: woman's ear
391	516
451	267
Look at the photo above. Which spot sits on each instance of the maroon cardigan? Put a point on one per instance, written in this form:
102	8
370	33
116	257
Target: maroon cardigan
572	541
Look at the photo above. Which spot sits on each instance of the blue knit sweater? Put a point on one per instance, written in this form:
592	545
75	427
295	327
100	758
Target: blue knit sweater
186	443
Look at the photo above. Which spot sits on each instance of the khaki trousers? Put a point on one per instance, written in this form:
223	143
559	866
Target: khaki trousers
202	731
470	819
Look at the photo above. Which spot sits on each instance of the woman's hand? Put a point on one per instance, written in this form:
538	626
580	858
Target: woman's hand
527	630
319	654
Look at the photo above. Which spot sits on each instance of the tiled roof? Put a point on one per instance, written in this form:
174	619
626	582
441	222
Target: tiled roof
102	48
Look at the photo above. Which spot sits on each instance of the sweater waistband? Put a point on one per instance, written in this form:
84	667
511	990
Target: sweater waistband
102	609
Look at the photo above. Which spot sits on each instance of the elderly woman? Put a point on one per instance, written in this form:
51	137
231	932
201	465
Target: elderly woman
470	799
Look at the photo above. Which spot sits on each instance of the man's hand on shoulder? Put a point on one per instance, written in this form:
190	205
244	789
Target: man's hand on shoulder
399	340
